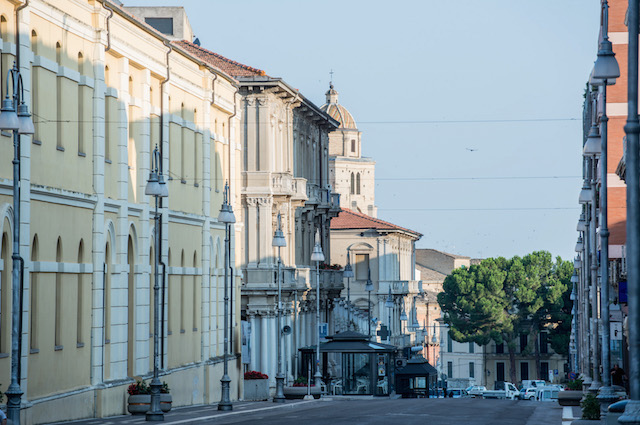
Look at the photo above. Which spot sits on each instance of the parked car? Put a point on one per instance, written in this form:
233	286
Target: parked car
476	390
528	393
458	393
547	393
503	390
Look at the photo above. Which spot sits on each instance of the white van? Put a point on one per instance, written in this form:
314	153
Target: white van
547	393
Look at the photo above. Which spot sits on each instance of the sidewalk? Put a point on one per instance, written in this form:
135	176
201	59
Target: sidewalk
570	413
195	414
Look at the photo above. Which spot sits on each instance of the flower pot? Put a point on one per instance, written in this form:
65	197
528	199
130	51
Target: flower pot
139	404
300	392
256	389
569	398
165	402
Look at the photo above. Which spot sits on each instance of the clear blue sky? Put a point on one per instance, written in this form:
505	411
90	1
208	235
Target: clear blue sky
502	182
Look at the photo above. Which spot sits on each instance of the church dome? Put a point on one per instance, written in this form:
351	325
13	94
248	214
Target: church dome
338	112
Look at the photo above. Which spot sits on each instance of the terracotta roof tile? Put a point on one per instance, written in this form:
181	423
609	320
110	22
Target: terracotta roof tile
231	67
349	219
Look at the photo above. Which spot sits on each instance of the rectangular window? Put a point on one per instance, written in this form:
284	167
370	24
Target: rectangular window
500	371
353	145
523	342
544	370
471	347
472	370
449	343
449	369
544	348
499	348
362	266
524	370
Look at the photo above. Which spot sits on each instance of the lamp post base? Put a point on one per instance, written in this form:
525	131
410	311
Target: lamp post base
631	413
279	397
225	402
318	379
594	387
606	396
14	394
155	413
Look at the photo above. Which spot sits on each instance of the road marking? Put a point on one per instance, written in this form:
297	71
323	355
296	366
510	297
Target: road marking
204	418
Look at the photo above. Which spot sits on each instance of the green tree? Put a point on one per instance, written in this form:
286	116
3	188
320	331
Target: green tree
499	298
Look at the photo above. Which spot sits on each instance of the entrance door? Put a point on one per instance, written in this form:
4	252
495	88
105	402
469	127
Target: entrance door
500	371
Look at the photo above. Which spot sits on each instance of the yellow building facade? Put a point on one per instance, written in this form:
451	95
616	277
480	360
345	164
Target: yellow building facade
105	89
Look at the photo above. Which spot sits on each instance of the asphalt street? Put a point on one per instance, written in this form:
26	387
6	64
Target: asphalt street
402	411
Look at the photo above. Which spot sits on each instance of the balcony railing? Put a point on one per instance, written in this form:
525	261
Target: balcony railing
330	279
398	287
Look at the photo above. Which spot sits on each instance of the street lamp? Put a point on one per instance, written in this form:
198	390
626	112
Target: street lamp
157	188
279	241
369	288
19	123
348	273
226	216
317	256
389	304
606	68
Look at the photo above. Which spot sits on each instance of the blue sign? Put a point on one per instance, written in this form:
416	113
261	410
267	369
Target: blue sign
555	371
324	330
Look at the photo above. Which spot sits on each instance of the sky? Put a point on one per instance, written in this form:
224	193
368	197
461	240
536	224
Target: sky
471	109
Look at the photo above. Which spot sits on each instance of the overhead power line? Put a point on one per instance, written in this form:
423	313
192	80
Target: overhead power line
472	121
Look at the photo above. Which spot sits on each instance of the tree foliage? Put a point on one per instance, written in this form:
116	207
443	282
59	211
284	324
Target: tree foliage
498	298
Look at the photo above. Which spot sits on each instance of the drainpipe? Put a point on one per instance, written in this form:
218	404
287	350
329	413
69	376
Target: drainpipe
106	6
18	9
159	235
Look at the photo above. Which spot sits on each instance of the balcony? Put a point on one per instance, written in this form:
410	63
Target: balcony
334	205
398	287
299	189
281	183
331	280
313	194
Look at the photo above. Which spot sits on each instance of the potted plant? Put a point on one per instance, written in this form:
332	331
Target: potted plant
299	389
573	394
590	411
165	398
256	386
139	400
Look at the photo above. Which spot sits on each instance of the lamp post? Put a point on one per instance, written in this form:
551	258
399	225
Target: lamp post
226	216
348	273
157	188
279	241
369	288
631	413
389	304
606	69
14	116
317	256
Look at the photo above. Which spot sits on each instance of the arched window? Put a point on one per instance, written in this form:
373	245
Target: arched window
81	107
194	307
59	106
353	185
35	47
131	306
182	297
33	305
5	291
358	184
80	300
58	298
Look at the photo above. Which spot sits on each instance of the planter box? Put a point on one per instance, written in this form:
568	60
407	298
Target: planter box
570	398
140	404
299	392
256	389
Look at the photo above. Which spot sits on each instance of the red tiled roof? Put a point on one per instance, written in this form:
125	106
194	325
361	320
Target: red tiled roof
349	219
233	68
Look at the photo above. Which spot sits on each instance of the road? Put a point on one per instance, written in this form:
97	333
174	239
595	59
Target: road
402	411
